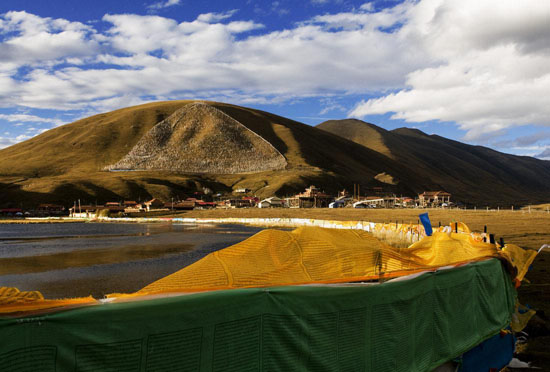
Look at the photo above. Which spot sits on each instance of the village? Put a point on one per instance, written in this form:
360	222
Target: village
312	197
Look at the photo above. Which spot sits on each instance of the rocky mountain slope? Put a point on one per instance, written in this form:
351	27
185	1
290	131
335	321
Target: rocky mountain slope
199	138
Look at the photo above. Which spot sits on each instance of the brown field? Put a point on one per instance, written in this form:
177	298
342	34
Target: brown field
528	230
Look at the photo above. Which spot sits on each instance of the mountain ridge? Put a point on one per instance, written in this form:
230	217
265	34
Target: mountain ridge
67	163
451	163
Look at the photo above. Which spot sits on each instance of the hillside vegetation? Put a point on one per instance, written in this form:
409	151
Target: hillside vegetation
225	147
472	173
69	162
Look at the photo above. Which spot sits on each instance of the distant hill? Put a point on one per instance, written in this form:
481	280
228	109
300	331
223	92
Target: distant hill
173	149
68	163
473	174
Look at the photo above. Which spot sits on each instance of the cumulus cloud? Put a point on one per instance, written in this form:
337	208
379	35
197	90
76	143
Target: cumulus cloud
490	72
482	64
42	40
158	57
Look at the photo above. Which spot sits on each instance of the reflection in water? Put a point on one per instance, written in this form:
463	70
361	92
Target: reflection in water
70	260
87	257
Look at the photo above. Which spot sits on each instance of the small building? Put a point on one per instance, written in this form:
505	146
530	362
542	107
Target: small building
184	205
370	202
137	208
131	206
252	200
50	210
434	198
405	202
11	212
272	202
115	208
337	204
153	204
312	197
239	203
205	205
242	191
85	211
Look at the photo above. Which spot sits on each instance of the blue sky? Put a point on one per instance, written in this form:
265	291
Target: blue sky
478	72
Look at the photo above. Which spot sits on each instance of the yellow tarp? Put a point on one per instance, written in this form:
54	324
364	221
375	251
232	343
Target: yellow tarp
12	300
317	255
311	255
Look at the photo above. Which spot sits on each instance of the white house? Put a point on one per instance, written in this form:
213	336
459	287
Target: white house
273	202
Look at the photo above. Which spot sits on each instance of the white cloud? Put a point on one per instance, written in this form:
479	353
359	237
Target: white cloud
8	141
330	105
368	7
525	141
545	155
29	39
323	2
159	57
25	118
163	4
482	64
216	17
491	70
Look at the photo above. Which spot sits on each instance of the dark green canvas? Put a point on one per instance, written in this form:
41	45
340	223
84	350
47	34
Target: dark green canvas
409	325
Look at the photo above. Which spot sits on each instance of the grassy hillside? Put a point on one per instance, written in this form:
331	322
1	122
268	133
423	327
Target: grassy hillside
66	163
473	174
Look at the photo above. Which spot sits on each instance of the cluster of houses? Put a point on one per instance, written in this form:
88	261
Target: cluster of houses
312	197
42	210
130	206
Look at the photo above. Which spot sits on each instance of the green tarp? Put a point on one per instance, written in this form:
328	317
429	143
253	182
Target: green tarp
408	325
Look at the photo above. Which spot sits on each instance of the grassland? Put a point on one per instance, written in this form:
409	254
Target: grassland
529	230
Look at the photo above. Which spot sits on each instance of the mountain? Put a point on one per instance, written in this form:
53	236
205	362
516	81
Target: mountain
199	138
173	149
473	174
193	144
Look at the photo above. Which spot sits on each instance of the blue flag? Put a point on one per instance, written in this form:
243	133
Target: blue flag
426	222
